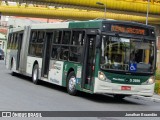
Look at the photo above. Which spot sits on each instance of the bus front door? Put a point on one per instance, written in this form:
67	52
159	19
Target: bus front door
89	62
46	54
20	37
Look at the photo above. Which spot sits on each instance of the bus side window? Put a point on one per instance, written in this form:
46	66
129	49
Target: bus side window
77	38
76	47
34	36
12	38
57	37
33	45
9	41
41	36
66	37
56	49
64	53
15	41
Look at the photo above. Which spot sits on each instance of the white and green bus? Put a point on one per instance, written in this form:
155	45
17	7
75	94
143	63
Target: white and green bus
97	57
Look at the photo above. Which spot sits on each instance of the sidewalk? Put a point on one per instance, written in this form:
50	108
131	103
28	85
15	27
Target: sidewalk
156	96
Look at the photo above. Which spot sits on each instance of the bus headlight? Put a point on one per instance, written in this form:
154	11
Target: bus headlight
151	80
102	76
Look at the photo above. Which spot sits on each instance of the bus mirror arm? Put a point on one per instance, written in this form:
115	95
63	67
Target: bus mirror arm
98	41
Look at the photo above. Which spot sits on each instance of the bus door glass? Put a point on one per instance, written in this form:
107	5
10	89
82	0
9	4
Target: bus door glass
89	61
19	46
46	53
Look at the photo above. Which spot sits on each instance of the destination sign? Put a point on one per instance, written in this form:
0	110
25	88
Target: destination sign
127	29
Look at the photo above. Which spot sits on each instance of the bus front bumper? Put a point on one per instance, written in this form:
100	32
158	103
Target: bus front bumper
103	87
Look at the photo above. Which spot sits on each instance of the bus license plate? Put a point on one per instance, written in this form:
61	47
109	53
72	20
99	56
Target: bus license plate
125	87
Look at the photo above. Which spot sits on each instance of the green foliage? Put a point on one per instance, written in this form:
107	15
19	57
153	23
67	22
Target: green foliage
157	87
158	75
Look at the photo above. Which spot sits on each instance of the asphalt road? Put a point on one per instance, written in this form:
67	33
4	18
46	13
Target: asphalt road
18	93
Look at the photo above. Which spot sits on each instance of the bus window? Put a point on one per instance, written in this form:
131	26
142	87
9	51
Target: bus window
15	41
34	36
75	54
55	51
77	38
39	49
57	37
9	41
119	53
76	48
32	49
16	47
66	37
56	48
36	44
40	36
64	53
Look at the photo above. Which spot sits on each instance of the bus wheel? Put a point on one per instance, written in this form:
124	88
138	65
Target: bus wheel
35	73
13	73
119	97
71	84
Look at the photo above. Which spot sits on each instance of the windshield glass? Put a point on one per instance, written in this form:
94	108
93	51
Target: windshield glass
127	54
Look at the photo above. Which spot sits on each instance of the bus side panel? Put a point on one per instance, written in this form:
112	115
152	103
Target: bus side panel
30	63
24	50
56	72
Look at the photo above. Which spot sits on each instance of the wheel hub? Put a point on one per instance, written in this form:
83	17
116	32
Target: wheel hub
72	83
35	75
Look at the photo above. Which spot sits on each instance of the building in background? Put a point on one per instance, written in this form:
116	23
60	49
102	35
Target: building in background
3	33
3	41
23	21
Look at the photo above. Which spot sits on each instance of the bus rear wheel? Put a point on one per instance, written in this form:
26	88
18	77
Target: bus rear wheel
71	83
35	73
12	73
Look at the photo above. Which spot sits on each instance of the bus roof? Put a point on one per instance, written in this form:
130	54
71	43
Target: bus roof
98	23
79	24
50	25
10	30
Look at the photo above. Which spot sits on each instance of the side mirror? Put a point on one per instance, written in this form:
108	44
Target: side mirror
98	41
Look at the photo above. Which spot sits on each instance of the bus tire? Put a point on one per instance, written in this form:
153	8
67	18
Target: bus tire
12	73
71	83
119	97
35	74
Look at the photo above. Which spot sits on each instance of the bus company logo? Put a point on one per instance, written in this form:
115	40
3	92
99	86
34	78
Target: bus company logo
6	114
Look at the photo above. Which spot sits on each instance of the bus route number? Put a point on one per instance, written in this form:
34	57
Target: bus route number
135	80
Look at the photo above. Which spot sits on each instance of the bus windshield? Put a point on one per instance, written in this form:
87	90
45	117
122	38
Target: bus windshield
127	54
